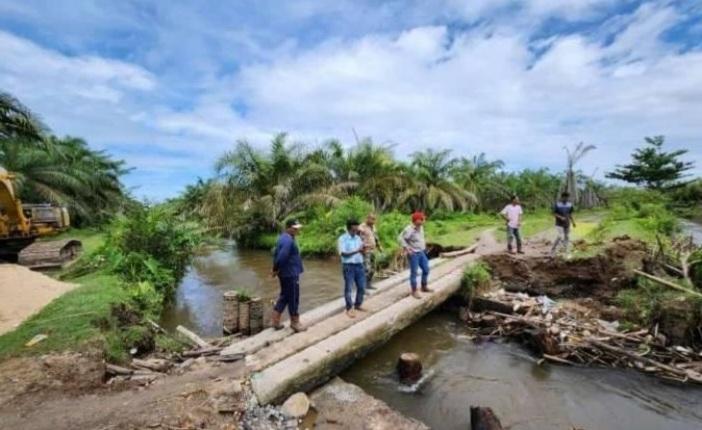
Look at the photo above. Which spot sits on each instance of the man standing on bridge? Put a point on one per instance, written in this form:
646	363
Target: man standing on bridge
371	243
351	250
414	247
287	266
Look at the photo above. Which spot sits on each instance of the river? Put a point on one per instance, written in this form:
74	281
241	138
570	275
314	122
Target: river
502	376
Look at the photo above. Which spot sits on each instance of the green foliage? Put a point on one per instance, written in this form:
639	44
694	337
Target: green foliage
152	244
243	294
63	171
652	167
648	301
323	226
475	278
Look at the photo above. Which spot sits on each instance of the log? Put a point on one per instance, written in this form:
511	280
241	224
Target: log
117	370
464	251
674	370
154	364
256	315
195	339
483	419
203	351
409	368
480	304
667	283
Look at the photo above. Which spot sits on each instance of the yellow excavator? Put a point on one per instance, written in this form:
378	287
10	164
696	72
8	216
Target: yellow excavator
22	224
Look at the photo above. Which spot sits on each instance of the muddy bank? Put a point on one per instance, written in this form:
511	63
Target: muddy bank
598	278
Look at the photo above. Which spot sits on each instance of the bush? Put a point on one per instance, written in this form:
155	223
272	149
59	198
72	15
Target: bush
475	279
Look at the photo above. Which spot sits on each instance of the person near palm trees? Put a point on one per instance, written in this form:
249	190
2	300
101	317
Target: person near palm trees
512	214
371	243
414	246
351	250
287	266
563	213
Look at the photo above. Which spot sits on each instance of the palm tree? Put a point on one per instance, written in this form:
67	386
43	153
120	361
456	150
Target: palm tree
18	122
477	176
67	173
571	184
276	184
433	187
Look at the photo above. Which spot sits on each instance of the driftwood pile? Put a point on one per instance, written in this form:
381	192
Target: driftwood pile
146	371
563	336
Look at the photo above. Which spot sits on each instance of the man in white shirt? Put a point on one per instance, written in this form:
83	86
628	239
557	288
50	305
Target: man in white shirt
512	213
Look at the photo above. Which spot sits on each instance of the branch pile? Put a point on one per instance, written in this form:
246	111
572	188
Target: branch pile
564	336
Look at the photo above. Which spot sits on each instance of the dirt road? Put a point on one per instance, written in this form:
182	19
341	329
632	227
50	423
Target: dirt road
23	292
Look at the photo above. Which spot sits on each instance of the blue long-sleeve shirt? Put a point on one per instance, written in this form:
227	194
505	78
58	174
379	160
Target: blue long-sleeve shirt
286	258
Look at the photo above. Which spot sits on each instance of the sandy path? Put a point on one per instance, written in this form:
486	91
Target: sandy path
23	293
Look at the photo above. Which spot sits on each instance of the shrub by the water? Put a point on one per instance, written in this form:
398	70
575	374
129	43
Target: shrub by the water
475	278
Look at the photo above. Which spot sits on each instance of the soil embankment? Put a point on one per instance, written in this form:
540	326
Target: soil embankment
25	292
599	277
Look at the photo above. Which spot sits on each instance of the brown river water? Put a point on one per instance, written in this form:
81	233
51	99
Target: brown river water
460	373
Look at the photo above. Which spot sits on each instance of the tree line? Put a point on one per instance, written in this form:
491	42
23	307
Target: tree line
60	170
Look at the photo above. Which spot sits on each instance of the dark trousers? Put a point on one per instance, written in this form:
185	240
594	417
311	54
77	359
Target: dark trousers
289	296
418	260
354	273
513	233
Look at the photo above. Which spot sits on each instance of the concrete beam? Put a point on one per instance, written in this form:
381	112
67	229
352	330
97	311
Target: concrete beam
269	336
319	362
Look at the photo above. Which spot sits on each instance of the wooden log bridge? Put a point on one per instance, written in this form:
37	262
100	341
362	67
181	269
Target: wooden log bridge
282	363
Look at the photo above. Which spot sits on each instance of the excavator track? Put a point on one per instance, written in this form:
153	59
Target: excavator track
50	254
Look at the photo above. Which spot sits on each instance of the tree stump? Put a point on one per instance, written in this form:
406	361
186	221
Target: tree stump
244	317
483	419
230	312
409	367
255	315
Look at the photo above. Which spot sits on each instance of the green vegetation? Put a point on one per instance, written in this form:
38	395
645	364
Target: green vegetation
256	191
62	171
71	319
476	278
125	276
652	167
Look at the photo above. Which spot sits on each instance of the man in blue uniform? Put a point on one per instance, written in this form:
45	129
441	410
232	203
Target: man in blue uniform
287	266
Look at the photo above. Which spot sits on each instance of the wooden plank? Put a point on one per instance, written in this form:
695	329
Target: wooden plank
460	252
195	339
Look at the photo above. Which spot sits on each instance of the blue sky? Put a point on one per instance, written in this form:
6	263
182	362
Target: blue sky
168	86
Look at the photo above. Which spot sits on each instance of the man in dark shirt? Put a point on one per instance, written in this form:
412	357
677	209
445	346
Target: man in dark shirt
287	266
563	213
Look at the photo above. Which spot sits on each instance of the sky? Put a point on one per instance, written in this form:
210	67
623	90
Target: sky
170	86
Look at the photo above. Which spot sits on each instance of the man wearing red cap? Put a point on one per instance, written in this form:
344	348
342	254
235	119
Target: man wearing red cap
414	246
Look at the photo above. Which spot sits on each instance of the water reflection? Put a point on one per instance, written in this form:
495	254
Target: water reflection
198	301
522	393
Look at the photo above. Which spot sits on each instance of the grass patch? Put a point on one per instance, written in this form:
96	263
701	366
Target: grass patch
69	320
458	230
475	279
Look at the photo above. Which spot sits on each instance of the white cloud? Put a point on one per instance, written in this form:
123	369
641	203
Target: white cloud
480	89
